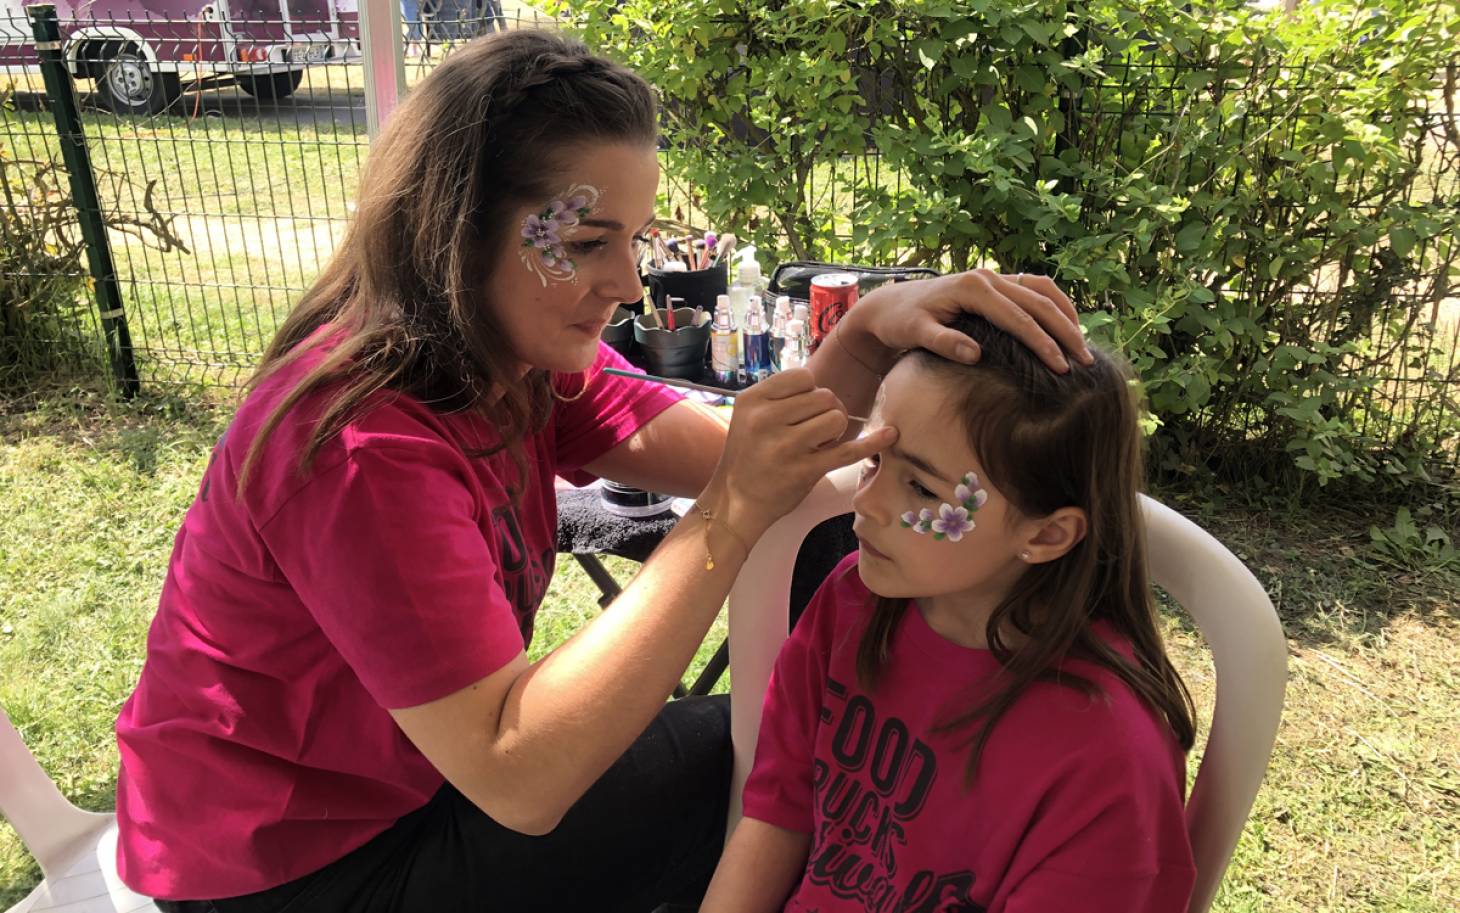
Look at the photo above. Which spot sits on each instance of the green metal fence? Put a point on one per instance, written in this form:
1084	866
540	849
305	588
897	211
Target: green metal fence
224	157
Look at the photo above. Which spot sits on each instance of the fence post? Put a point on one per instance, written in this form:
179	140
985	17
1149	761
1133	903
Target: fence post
385	71
62	97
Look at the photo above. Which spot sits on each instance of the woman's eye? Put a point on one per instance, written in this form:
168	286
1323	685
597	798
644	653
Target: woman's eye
920	491
586	247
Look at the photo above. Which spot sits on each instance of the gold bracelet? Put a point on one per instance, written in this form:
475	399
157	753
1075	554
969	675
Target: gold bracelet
837	334
709	518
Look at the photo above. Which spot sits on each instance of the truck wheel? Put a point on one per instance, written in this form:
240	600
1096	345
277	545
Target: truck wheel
128	84
272	85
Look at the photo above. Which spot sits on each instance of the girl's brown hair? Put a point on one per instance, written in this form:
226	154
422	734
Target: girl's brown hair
1050	441
476	140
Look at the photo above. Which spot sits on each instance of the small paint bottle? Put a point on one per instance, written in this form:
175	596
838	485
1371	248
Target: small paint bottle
724	343
793	354
756	343
779	317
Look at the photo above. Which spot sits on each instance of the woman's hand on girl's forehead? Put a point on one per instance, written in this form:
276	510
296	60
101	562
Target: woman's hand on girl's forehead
915	315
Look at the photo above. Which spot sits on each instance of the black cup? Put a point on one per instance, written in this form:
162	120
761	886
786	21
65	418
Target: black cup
697	287
619	333
680	353
627	501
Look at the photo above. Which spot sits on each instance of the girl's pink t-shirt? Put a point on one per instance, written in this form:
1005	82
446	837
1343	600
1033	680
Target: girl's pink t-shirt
1077	804
257	746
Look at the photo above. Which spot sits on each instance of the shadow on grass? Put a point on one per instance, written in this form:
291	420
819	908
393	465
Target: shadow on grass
1319	565
139	430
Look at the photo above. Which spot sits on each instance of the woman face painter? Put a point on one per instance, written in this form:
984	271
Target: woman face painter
337	711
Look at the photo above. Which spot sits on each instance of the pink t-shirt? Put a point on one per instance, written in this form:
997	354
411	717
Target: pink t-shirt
257	747
1077	803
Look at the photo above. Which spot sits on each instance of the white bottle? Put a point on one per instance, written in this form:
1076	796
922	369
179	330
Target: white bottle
779	318
749	274
724	343
793	352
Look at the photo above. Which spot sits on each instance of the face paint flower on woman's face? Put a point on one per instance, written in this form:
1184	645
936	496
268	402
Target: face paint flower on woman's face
952	521
542	234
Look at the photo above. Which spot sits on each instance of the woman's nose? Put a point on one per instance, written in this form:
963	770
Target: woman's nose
622	281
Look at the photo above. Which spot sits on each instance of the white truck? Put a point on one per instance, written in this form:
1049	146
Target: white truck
141	52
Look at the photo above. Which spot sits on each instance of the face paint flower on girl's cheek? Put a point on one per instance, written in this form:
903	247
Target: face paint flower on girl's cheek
542	234
952	520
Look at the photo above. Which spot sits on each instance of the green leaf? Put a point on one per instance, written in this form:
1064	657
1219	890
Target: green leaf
1401	240
929	50
1190	237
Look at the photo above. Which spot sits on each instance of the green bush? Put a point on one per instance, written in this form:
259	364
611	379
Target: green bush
43	282
1259	210
48	312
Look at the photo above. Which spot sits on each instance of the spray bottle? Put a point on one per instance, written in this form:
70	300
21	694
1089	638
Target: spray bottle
757	343
724	343
778	329
793	355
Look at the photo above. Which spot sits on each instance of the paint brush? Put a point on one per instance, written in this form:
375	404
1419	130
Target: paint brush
690	385
724	248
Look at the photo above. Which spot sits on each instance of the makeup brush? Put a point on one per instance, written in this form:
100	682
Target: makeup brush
689	385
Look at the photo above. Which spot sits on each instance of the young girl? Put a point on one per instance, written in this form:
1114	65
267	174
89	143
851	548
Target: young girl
975	712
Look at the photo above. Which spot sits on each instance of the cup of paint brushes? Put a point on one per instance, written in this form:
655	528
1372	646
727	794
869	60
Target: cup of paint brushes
679	352
698	287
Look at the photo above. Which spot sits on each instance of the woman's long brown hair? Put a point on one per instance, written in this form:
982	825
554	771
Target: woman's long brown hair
1049	441
472	143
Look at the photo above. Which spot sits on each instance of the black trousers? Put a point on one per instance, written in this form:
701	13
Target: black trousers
648	833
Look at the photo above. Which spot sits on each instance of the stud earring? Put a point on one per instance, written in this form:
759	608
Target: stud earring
1024	555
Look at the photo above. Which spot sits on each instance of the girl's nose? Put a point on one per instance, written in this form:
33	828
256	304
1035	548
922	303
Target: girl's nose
867	499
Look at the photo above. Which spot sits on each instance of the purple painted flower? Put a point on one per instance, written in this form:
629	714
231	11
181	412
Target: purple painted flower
952	523
921	522
542	234
970	493
566	213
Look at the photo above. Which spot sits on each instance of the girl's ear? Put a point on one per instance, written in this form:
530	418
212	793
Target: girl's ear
1054	535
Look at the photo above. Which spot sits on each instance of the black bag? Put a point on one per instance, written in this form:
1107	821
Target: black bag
794	278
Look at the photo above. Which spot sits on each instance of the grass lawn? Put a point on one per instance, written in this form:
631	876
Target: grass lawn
1361	811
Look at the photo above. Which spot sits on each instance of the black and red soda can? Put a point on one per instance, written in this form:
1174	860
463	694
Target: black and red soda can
832	295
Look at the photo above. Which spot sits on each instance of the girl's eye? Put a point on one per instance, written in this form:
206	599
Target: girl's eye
920	491
869	469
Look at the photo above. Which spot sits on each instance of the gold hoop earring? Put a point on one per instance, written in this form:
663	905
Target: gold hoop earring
575	397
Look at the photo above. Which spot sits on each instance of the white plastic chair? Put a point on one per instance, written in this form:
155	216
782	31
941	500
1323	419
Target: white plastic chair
1227	603
76	850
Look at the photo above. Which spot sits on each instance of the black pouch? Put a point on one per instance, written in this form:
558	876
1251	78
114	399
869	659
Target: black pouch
794	278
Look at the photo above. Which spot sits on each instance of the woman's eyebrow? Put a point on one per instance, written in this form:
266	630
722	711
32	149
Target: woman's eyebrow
612	224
